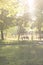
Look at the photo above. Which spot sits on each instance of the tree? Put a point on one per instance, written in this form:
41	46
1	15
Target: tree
39	23
12	7
22	23
39	15
5	22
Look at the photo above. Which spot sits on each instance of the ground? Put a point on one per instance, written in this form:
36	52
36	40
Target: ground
21	53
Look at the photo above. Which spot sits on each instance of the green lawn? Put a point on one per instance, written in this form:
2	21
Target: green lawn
26	53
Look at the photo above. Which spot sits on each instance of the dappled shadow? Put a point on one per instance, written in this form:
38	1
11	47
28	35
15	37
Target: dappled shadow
31	54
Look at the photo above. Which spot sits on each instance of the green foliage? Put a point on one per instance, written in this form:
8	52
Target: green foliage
9	5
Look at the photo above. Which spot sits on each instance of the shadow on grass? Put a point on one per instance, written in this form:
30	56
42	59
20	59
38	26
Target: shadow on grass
16	42
17	54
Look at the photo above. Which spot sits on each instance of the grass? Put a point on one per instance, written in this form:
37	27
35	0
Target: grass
21	53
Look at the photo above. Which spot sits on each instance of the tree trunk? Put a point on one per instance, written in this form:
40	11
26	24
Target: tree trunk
32	36
2	35
18	37
40	34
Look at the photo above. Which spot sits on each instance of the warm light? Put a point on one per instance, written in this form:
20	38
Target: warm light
31	6
27	5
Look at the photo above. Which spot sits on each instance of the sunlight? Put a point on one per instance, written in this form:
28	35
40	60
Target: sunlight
26	6
31	9
31	3
31	6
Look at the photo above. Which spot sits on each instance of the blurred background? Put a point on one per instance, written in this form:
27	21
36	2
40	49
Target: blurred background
21	19
21	32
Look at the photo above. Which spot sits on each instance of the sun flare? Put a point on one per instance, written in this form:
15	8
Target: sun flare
31	6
